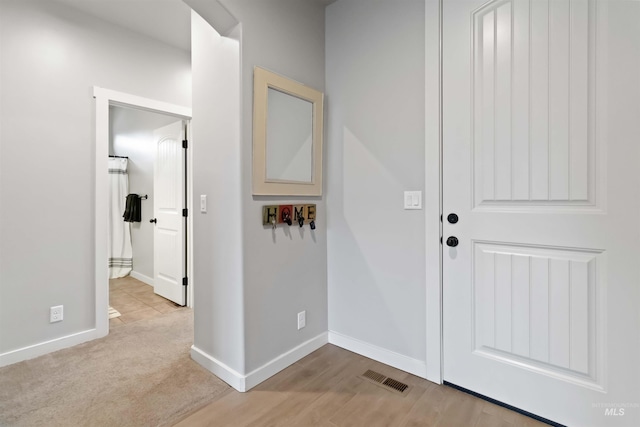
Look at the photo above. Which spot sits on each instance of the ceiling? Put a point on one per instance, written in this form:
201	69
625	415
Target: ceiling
134	15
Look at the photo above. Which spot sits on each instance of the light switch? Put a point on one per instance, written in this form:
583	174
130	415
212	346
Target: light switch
203	203
413	199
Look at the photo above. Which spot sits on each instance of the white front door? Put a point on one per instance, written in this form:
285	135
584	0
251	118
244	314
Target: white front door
169	194
541	163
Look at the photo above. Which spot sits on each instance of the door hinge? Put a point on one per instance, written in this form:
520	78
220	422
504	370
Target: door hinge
185	143
185	212
185	281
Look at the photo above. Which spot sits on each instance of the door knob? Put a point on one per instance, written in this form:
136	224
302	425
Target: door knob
452	241
452	218
153	221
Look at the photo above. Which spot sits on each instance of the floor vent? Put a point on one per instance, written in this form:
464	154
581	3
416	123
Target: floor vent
396	385
374	376
387	383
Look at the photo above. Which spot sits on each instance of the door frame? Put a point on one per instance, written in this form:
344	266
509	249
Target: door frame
103	99
433	191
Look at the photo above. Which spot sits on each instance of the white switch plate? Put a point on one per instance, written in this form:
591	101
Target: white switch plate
203	203
302	319
56	314
413	199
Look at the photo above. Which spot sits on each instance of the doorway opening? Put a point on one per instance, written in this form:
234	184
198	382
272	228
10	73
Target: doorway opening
147	239
143	227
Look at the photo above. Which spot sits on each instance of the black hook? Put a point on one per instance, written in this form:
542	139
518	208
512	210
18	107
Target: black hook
312	224
300	220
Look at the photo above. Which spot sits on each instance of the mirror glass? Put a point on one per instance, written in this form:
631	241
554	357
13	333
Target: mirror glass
289	155
287	136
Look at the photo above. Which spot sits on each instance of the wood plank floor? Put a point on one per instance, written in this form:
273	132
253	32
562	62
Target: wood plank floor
324	389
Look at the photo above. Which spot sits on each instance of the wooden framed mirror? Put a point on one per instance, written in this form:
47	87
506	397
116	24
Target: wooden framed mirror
287	136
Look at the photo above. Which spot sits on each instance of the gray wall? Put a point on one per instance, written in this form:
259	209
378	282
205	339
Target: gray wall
285	272
51	57
131	135
217	275
375	151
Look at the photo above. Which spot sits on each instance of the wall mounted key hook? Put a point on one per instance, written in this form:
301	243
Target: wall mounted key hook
285	214
312	224
300	221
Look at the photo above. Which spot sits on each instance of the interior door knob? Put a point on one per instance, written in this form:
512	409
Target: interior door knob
153	221
452	218
452	241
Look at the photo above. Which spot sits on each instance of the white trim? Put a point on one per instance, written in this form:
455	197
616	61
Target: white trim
219	369
141	277
244	383
103	99
32	351
433	190
101	206
138	102
281	362
382	355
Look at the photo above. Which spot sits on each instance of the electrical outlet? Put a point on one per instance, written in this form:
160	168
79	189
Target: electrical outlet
56	314
302	319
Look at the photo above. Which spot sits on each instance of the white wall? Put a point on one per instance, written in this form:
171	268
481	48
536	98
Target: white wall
131	135
375	74
217	275
285	272
51	57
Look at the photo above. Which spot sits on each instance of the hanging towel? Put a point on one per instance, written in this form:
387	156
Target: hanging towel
133	209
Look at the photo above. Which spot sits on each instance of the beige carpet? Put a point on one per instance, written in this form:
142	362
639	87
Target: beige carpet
141	374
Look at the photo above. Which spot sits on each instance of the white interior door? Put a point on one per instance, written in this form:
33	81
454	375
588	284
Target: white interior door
169	193
540	163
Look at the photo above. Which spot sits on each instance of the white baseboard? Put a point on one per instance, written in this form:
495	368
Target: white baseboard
32	351
382	355
285	360
145	279
246	382
219	369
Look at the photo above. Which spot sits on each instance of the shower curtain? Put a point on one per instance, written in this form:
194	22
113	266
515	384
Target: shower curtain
119	247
